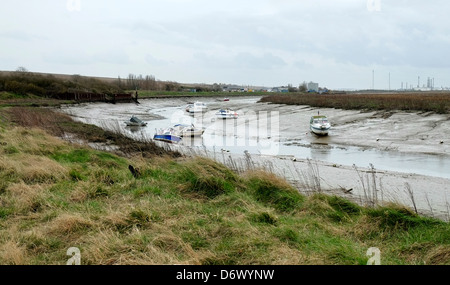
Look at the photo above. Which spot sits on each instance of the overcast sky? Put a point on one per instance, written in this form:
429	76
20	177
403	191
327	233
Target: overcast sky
337	43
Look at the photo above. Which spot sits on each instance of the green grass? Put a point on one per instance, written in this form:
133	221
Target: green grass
271	191
185	211
9	95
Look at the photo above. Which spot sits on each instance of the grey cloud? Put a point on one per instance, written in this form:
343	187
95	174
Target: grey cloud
155	61
266	61
20	36
79	57
212	39
242	60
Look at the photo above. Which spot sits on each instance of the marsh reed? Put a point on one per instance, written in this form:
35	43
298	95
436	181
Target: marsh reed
438	102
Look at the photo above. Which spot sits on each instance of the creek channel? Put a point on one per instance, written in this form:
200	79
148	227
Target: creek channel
261	129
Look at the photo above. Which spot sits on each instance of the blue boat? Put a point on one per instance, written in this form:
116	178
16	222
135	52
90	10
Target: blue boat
167	135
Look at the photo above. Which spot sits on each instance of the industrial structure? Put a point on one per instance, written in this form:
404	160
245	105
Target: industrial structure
312	87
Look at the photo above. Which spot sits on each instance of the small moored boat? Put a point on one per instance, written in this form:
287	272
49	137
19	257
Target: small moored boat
183	130
167	135
319	125
227	114
196	107
135	122
189	107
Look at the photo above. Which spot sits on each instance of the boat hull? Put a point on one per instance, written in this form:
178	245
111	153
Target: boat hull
197	110
131	124
320	131
167	138
319	125
135	122
227	115
198	107
187	131
192	133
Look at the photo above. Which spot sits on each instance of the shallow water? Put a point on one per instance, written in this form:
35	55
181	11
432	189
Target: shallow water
259	130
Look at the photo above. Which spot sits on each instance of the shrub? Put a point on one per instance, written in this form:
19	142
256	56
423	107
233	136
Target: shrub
343	205
138	218
76	175
208	178
400	218
264	218
274	191
335	208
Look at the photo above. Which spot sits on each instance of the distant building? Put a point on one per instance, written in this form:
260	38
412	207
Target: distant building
312	87
280	89
232	88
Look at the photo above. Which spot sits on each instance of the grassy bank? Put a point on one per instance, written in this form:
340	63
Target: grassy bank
24	83
178	210
437	102
10	99
61	125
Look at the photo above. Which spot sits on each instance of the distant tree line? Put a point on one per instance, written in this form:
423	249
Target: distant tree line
149	82
138	82
301	88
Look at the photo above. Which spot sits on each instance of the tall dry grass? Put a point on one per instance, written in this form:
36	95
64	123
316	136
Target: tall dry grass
62	125
32	168
66	225
184	211
12	253
25	198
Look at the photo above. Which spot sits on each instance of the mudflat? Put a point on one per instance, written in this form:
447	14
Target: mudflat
396	131
399	132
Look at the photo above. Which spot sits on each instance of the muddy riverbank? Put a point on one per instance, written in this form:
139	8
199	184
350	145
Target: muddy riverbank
404	148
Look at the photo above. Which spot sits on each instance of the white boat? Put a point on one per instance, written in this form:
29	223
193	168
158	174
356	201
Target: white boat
189	107
227	114
196	107
167	135
319	125
183	130
135	122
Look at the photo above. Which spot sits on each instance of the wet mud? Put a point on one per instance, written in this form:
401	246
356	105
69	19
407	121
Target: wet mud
403	147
